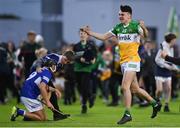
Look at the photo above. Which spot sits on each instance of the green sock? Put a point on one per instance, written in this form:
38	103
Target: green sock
127	112
153	103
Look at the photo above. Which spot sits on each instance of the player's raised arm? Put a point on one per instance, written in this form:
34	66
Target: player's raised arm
98	36
143	30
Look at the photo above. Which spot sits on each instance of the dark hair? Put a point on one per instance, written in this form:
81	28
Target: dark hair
126	8
69	55
31	33
169	36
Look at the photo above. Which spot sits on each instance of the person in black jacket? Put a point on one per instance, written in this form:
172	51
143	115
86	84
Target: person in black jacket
86	51
27	52
4	72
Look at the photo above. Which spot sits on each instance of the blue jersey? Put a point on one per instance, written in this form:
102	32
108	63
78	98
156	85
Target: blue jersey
53	56
30	87
40	62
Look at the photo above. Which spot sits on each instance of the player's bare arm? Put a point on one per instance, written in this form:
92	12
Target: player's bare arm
145	31
98	36
58	93
44	93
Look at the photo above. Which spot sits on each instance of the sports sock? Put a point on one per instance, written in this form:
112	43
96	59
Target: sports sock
166	104
127	111
153	103
21	112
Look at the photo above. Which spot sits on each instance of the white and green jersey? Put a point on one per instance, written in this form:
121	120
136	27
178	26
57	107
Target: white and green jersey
129	41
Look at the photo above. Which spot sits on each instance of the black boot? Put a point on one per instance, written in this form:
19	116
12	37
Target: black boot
166	108
126	118
56	115
156	109
59	116
84	109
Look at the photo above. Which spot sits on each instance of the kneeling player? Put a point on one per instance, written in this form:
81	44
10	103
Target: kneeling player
36	84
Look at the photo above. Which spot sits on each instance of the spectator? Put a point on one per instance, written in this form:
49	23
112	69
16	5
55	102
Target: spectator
27	52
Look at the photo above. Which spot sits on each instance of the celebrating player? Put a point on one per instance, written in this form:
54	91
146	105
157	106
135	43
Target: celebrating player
128	33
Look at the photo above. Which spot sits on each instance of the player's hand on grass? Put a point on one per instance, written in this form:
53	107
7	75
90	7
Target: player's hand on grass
49	105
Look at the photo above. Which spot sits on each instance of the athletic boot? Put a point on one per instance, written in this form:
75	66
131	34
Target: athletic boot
84	109
166	108
125	118
91	101
156	109
14	113
60	116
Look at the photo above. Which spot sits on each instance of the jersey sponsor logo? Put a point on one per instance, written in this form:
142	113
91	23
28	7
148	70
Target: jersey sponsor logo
125	37
124	30
132	65
128	38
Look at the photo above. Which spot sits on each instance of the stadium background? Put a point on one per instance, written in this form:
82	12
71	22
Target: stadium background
59	20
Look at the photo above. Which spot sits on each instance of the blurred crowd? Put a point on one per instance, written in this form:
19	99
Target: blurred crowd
99	70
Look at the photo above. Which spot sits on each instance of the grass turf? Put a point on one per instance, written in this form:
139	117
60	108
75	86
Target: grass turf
98	116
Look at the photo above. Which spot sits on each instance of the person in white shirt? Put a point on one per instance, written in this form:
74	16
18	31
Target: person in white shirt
163	70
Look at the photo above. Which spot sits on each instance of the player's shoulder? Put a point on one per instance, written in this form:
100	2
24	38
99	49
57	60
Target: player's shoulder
134	23
52	55
118	25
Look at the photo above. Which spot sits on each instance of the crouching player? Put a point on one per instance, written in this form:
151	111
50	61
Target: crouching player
42	56
36	84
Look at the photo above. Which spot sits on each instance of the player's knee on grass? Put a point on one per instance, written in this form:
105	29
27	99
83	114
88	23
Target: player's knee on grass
41	116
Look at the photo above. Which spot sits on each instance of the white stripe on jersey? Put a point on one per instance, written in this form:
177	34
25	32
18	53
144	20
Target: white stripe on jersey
37	81
46	79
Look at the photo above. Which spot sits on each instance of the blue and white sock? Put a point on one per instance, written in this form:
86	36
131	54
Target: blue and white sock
21	112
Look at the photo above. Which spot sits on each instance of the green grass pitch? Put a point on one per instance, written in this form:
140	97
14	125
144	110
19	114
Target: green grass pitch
98	116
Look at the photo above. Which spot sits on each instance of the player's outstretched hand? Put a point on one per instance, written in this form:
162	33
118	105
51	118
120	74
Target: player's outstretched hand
141	23
86	29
